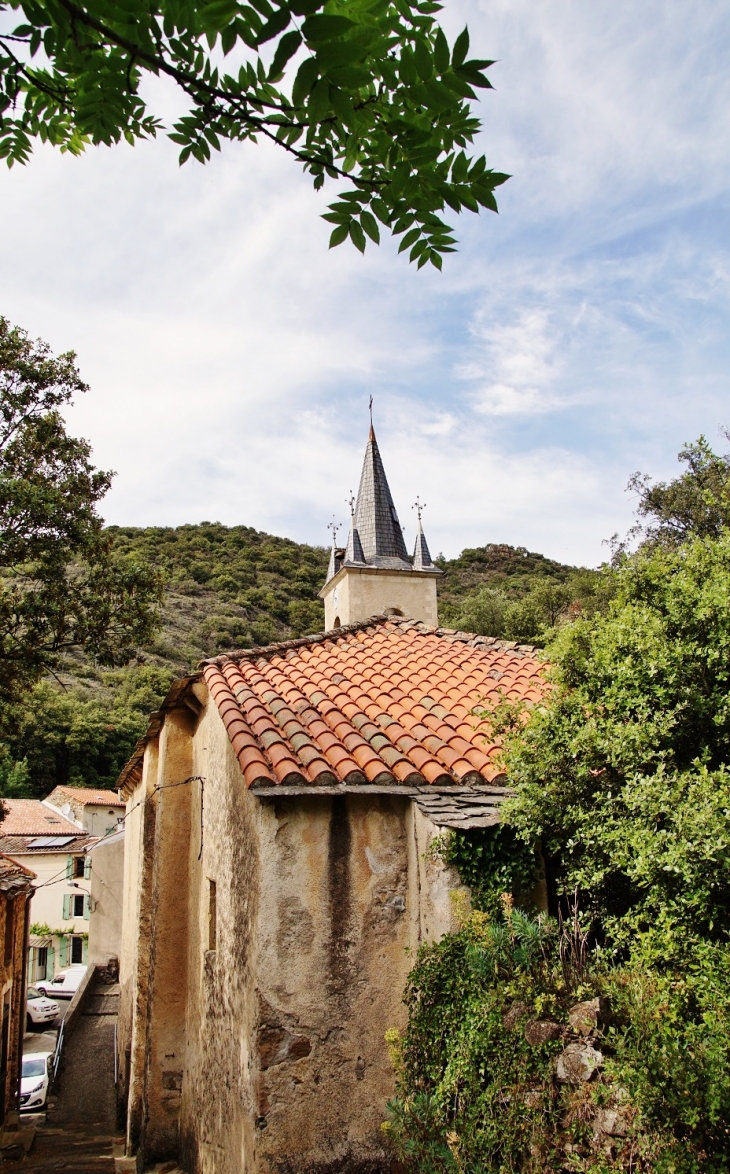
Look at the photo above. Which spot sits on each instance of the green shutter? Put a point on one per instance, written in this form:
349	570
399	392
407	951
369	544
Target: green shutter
62	952
87	907
85	955
69	867
50	967
87	865
66	906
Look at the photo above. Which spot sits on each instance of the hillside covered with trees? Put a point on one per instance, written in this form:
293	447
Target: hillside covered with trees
236	587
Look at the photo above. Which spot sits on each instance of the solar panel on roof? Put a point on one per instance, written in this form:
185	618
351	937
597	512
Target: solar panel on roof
50	841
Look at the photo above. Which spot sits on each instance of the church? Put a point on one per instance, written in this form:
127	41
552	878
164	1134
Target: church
278	879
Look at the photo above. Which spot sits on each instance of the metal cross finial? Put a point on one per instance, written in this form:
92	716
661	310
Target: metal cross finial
419	507
370	407
334	527
351	502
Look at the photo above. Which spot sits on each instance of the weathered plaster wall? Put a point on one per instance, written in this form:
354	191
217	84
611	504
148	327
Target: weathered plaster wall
356	594
333	931
107	888
167	994
134	957
218	1106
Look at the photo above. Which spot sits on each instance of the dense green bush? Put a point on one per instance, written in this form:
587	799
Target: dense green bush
478	1087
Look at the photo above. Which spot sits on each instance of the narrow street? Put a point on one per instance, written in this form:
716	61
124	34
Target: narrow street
78	1132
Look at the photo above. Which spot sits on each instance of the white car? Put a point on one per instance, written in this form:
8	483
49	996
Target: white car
65	984
35	1077
38	1008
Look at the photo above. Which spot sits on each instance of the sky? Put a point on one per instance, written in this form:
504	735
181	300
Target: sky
576	338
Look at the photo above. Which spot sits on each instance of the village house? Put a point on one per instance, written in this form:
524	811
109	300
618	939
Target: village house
96	811
16	887
278	879
54	848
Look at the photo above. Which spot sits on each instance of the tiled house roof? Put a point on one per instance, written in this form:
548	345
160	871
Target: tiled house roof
86	795
30	817
387	702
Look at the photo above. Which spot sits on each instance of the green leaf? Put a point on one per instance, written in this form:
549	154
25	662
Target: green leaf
370	225
339	235
229	36
322	27
357	236
422	57
436	260
319	101
274	25
381	211
338	53
307	75
408	239
461	48
285	50
218	14
441	52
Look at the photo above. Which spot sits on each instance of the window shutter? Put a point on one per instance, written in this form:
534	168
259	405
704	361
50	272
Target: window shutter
87	866
50	962
69	867
85	956
62	952
87	907
66	906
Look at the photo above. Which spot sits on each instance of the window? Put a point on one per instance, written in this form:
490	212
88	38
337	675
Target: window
336	623
78	866
78	906
212	915
77	949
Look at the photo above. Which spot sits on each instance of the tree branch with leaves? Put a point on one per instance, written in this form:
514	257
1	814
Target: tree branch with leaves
377	97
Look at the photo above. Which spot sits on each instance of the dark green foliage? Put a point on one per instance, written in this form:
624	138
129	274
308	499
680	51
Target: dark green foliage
695	504
493	861
509	592
78	737
375	97
62	586
226	588
623	773
475	1097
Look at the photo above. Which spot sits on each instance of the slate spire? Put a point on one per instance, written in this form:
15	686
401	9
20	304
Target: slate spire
354	553
421	554
376	521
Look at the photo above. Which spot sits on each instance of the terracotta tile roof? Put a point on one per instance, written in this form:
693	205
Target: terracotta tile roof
89	795
385	702
30	817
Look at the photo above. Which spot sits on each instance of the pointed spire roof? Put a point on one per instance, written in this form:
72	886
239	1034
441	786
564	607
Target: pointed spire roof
376	521
421	554
353	552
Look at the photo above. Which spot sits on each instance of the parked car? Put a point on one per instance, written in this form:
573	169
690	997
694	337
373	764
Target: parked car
35	1077
39	1009
64	985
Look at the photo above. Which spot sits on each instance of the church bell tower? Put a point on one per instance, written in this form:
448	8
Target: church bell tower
373	573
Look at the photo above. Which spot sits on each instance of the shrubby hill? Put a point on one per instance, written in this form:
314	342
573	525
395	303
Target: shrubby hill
234	587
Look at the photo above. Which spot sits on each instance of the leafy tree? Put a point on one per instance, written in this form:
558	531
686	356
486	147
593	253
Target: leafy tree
624	772
61	585
378	98
64	737
697	502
